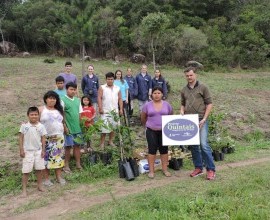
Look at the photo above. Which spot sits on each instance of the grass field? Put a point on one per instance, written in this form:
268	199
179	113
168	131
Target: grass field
240	193
243	97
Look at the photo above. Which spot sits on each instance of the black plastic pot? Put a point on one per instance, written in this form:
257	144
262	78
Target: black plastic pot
121	169
134	166
221	156
125	170
92	158
105	157
216	155
175	163
95	156
224	150
128	171
230	150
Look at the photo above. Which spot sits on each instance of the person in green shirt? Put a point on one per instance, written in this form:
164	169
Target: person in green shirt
72	109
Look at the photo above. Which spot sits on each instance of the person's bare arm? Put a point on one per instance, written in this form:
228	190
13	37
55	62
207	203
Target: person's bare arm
182	110
43	142
40	108
120	102
127	96
143	118
206	114
21	137
100	94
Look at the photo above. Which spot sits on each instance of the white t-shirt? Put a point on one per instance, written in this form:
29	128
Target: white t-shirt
110	98
52	120
32	135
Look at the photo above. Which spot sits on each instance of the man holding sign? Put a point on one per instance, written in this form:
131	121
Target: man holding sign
196	99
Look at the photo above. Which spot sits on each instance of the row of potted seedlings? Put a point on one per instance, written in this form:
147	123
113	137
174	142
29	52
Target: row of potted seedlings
219	154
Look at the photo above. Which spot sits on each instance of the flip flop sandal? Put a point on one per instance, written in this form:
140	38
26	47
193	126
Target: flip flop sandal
112	145
47	183
83	151
67	170
90	149
167	173
79	168
151	175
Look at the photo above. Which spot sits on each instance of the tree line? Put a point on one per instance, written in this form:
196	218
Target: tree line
216	33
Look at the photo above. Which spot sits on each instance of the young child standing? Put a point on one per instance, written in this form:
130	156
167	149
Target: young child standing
60	86
89	112
87	115
32	148
72	109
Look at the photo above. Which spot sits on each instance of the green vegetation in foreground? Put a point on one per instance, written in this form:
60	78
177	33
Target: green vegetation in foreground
10	128
10	178
228	197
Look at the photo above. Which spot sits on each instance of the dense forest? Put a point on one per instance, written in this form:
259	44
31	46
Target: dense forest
215	32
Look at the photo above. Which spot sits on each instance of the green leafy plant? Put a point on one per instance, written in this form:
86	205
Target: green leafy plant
123	134
254	136
120	130
218	134
92	130
49	60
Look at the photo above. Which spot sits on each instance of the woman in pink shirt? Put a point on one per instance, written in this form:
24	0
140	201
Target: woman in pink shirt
151	118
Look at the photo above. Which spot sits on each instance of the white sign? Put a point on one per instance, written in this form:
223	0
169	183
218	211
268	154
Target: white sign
180	130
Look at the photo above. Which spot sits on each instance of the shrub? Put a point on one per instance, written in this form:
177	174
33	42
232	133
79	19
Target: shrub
49	60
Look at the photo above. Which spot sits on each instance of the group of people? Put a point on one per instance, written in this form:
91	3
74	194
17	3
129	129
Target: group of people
54	129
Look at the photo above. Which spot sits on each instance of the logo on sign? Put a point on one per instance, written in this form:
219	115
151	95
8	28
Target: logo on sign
146	166
180	129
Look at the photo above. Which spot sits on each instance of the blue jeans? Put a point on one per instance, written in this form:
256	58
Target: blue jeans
202	154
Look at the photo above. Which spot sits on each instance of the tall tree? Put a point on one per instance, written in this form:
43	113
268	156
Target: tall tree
79	27
108	27
5	7
153	26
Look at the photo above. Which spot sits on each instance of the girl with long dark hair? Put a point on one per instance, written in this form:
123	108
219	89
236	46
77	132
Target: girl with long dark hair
51	116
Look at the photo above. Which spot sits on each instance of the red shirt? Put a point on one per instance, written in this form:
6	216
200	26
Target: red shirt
88	112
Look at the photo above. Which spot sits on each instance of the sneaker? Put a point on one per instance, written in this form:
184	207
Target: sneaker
211	175
62	181
196	172
47	183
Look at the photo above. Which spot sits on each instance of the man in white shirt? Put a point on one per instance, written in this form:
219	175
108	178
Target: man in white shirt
109	100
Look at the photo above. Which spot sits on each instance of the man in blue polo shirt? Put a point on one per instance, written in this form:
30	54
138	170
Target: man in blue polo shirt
132	89
144	83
